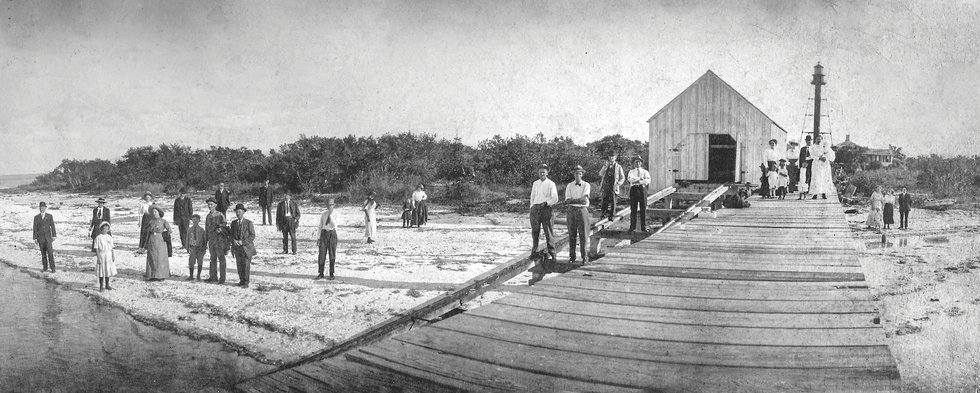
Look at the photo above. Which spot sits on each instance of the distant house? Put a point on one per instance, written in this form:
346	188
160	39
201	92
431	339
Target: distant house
709	133
885	156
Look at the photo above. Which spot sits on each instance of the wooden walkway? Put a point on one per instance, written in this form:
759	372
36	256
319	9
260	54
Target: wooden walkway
769	298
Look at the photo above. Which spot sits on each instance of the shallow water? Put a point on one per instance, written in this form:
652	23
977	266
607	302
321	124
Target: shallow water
56	340
910	241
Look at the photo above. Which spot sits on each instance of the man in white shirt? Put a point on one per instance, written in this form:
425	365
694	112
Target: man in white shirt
328	239
420	212
638	179
544	195
577	199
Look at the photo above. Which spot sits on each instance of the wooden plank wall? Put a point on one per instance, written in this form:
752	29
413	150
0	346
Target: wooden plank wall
709	106
766	299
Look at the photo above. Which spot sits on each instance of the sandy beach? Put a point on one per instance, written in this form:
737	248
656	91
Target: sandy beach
285	314
927	279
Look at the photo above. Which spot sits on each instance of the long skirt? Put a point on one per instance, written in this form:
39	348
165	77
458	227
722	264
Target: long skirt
874	218
889	214
157	260
421	214
370	224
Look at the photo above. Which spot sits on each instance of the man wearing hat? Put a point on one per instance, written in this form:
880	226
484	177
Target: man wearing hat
215	236
100	214
327	240
544	195
242	244
183	208
611	178
805	162
577	199
44	235
265	202
223	197
287	219
639	179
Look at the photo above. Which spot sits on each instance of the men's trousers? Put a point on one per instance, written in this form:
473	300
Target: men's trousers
243	263
607	207
266	211
638	203
47	253
195	256
541	220
578	231
328	248
903	219
289	232
218	262
182	229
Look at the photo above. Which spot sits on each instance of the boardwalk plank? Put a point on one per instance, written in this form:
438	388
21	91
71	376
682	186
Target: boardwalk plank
728	274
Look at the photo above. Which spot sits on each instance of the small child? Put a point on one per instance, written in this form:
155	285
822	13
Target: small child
773	177
407	209
195	246
105	261
783	181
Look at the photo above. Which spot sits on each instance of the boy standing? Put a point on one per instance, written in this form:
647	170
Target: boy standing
195	246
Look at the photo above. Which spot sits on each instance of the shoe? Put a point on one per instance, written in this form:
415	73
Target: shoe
100	289
210	280
320	277
630	231
221	282
53	271
824	196
294	252
814	197
571	260
108	288
191	278
331	278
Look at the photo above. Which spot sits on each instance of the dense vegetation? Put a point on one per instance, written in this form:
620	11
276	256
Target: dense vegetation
390	165
939	177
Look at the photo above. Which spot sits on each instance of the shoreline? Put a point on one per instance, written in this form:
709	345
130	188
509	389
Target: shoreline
158	323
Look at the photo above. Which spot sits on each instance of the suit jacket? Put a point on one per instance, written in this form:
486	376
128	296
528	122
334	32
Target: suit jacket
904	202
265	196
619	178
214	226
223	198
97	219
44	227
244	231
196	237
183	209
281	214
805	157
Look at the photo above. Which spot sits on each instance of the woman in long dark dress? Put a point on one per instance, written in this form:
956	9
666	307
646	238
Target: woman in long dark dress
889	211
158	247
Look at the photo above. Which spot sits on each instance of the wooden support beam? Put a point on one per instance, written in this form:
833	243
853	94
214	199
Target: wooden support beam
633	236
661	213
693	211
595	242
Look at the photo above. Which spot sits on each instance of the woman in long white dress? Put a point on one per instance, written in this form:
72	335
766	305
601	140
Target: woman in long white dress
370	217
105	261
877	206
822	179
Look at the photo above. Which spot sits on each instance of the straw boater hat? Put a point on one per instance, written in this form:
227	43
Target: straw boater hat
100	200
578	168
240	206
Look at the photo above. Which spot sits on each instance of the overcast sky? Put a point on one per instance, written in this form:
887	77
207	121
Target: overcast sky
89	79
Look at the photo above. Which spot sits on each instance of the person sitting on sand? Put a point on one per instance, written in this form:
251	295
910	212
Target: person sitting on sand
158	247
105	257
100	214
196	246
44	235
370	217
877	205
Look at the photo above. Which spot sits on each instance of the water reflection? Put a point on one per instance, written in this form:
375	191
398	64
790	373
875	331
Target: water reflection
57	340
910	241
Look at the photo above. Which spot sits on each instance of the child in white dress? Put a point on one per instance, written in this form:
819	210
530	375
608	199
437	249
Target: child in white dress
105	263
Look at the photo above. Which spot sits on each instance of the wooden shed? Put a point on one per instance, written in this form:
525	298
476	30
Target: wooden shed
709	133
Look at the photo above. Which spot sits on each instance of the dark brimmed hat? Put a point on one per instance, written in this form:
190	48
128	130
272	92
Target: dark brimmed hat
158	209
103	224
637	158
578	168
100	200
211	200
42	204
809	137
182	190
783	160
147	194
240	206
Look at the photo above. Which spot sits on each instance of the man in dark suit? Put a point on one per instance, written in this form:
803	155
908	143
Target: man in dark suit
223	197
99	215
183	209
805	162
44	235
215	236
265	202
242	244
287	219
904	207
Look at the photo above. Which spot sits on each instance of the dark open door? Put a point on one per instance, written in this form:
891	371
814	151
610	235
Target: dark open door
721	158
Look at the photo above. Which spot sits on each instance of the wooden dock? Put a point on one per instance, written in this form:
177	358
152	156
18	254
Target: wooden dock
768	298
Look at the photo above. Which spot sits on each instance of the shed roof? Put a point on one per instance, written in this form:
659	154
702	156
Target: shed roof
710	74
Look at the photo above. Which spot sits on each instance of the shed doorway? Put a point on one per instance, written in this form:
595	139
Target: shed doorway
722	157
